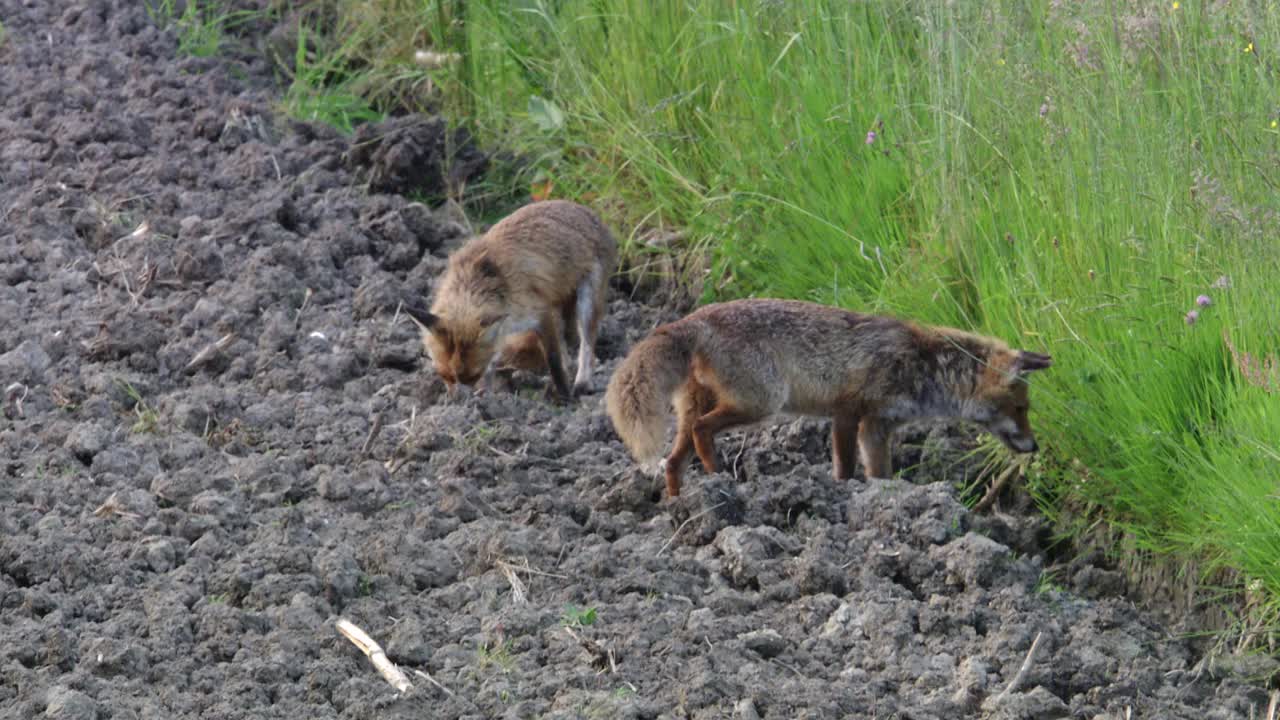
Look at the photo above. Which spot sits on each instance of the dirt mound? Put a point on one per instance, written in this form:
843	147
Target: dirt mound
414	154
219	438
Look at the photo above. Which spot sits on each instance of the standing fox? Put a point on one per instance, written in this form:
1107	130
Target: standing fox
736	363
508	298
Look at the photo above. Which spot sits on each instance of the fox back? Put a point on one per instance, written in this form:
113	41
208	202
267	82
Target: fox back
823	360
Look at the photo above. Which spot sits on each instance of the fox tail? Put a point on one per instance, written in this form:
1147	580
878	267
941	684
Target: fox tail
640	392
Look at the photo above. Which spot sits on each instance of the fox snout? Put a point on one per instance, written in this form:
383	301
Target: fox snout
1024	444
1015	438
459	375
469	377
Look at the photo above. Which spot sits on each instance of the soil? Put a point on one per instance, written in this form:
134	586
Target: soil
220	437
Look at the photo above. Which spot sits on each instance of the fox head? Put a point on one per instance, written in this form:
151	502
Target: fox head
461	331
460	348
1000	401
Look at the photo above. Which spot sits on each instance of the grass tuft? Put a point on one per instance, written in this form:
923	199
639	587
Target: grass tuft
201	27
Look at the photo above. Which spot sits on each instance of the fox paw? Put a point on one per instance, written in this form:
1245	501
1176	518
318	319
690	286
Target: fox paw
500	381
557	397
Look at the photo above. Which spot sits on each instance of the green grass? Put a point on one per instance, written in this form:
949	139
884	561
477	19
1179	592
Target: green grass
148	420
498	654
1067	176
324	90
575	616
201	26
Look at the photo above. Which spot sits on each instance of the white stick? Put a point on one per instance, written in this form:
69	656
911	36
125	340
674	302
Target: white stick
375	654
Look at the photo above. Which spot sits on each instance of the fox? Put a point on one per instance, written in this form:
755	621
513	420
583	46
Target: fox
509	299
737	363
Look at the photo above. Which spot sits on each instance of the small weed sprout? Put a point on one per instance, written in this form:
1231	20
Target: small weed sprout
477	438
148	419
1048	583
497	655
575	616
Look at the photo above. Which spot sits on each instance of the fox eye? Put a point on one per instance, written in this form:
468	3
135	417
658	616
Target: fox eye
490	320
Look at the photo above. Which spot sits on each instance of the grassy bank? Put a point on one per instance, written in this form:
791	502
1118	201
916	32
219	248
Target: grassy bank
1070	176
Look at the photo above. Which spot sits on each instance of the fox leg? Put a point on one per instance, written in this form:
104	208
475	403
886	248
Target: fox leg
873	440
707	426
589	309
498	379
675	463
691	403
844	446
493	376
569	318
521	351
550	330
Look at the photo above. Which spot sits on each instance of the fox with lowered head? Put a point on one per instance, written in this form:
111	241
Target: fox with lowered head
737	363
509	298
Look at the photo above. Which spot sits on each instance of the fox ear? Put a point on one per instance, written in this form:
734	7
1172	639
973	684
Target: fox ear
424	318
1027	361
487	267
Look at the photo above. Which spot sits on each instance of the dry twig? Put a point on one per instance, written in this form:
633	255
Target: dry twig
395	462
113	506
14	395
372	435
306	300
1022	671
209	352
374	652
997	485
422	674
518	590
686	522
601	657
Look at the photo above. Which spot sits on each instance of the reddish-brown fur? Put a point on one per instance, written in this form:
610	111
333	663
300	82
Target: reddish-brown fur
516	291
737	363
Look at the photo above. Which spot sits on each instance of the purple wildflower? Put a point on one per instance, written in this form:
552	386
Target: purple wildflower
871	136
1192	317
1204	301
